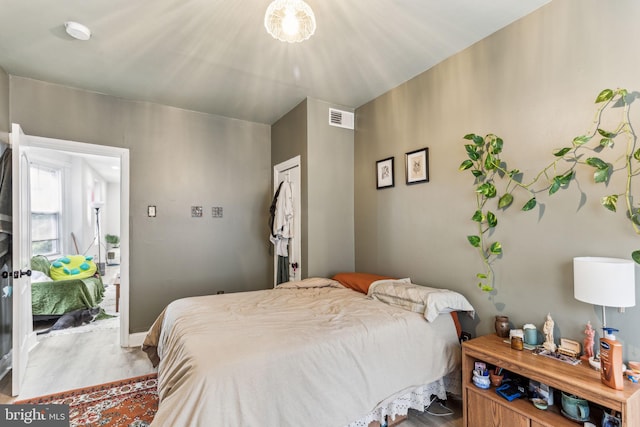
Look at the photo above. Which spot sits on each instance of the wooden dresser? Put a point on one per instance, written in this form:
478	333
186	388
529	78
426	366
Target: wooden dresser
485	408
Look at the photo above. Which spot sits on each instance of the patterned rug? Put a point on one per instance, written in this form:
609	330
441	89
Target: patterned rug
130	402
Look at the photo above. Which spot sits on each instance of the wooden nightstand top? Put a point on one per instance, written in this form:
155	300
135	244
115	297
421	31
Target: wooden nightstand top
580	379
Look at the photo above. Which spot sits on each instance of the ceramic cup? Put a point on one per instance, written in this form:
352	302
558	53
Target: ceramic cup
496	380
575	407
531	336
481	381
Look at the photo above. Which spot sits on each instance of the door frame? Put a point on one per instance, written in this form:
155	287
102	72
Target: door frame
123	155
297	213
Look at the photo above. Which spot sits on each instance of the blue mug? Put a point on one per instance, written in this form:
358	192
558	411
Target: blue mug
575	407
531	336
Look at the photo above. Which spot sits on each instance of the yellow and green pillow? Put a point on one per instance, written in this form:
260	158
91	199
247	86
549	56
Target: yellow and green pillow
72	267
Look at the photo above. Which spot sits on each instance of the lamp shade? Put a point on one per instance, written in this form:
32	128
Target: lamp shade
609	282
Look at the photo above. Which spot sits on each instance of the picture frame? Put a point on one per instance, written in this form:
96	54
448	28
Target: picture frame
384	173
417	166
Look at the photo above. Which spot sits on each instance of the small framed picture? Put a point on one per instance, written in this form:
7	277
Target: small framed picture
417	166
384	173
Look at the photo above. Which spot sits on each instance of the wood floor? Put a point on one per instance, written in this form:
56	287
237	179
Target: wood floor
66	362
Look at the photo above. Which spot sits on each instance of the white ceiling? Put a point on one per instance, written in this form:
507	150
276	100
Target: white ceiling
214	56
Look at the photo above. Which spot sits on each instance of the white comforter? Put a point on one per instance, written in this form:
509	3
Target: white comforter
291	357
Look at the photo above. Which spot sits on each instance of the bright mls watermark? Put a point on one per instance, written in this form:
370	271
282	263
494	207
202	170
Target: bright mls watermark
47	415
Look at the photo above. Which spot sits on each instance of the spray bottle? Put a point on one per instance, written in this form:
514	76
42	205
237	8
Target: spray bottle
611	360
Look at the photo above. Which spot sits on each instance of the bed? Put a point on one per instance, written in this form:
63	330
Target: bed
53	298
308	353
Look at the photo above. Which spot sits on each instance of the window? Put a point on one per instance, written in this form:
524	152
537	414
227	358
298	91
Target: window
46	202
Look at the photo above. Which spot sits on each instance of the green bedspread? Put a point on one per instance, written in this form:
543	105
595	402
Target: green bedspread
61	296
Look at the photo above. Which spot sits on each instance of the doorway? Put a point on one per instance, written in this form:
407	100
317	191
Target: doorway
104	158
289	172
75	212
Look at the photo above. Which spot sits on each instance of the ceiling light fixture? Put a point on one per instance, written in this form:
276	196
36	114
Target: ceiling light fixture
290	20
77	31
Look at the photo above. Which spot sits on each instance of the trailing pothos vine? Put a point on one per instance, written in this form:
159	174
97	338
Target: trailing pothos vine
494	181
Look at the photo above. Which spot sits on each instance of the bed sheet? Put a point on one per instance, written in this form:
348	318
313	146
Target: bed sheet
291	357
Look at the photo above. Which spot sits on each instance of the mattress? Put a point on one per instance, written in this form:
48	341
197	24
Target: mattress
321	355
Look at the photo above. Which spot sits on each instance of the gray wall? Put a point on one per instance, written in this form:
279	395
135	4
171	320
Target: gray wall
534	84
327	184
330	192
289	139
6	304
5	123
178	159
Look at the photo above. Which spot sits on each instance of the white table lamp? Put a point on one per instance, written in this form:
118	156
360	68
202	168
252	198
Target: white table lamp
609	282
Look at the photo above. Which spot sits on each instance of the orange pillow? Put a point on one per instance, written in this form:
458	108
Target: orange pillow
358	281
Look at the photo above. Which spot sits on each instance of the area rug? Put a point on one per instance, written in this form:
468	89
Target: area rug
130	402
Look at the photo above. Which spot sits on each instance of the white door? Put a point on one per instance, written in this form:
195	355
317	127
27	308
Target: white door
290	171
23	335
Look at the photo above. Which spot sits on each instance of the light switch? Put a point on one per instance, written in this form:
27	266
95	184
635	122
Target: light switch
151	211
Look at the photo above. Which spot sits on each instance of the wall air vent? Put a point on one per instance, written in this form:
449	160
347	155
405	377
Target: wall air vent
341	119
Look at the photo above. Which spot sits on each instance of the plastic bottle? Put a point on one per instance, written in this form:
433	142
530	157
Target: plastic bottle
611	360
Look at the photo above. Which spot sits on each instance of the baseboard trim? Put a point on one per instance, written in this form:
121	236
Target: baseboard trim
136	340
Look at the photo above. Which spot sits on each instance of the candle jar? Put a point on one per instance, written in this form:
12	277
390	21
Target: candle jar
502	326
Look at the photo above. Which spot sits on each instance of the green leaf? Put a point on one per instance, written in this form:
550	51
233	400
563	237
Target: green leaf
491	162
530	204
636	154
485	288
605	95
505	201
495	248
481	276
477	139
477	173
477	216
474	240
513	172
636	256
597	163
472	151
581	140
606	134
606	142
610	202
496	145
622	92
564	179
561	152
635	218
555	186
601	175
492	220
465	165
487	189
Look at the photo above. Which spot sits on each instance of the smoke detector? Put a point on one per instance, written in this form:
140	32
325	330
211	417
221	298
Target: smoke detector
77	31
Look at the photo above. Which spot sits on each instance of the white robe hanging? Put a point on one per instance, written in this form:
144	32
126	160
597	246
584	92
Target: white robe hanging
283	221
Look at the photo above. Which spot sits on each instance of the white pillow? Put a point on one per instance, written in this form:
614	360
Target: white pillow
39	276
430	302
311	282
